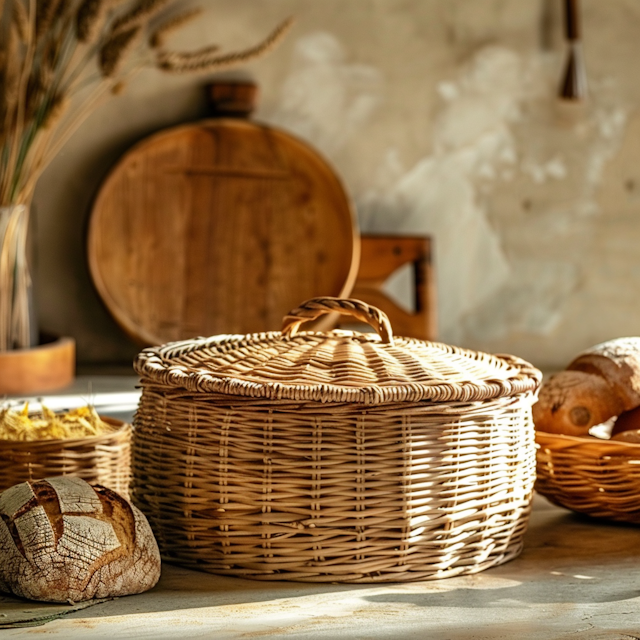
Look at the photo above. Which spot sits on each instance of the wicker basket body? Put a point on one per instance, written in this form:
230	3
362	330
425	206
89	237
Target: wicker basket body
103	459
355	482
599	478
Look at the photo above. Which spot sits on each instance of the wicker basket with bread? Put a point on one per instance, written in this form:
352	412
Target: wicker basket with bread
587	421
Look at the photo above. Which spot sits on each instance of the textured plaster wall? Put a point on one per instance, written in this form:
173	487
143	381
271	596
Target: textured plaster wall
441	117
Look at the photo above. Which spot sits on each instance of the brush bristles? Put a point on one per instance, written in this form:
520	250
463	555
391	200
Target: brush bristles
574	81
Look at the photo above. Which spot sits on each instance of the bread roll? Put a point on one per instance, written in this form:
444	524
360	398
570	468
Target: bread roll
632	436
618	362
626	421
63	540
600	383
572	402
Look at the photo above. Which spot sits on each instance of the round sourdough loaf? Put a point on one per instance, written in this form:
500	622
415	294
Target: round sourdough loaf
62	539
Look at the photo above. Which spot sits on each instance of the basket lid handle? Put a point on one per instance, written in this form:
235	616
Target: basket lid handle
316	307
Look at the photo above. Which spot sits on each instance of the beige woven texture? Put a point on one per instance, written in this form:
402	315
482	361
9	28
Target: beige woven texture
334	457
600	478
103	459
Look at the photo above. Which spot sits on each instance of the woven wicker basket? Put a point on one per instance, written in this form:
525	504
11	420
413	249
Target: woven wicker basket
334	457
600	478
103	459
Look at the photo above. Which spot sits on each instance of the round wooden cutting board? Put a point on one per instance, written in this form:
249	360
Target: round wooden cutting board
219	227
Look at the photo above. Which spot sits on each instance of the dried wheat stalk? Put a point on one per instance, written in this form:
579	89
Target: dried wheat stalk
114	51
49	55
89	19
11	78
206	59
21	20
45	11
159	36
59	59
141	12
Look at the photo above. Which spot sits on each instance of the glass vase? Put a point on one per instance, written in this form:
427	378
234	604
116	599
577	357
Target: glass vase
15	282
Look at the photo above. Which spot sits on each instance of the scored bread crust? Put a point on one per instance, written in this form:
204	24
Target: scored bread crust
63	540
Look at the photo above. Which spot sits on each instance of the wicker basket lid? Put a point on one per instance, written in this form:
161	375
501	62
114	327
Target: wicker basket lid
335	366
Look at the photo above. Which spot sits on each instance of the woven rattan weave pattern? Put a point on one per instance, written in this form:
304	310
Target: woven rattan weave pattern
334	457
600	478
103	459
297	491
339	366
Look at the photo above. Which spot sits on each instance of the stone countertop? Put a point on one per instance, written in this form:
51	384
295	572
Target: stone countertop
577	578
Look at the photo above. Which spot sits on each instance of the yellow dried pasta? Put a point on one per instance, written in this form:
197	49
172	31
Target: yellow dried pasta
48	425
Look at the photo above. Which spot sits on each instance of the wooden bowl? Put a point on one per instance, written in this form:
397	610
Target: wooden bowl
48	366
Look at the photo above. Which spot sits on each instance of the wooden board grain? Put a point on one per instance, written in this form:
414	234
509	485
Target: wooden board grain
219	227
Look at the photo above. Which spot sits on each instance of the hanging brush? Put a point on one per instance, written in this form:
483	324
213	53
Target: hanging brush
574	82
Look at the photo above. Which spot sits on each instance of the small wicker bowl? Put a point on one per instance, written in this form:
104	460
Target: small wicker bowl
599	478
103	459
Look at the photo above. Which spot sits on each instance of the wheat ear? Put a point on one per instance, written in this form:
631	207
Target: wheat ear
89	19
205	60
143	11
158	37
19	147
115	49
10	95
20	18
56	108
45	13
12	70
37	88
